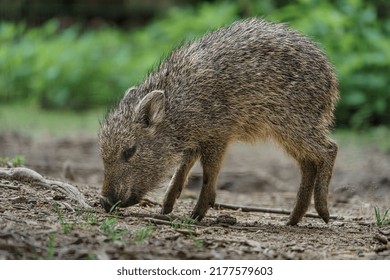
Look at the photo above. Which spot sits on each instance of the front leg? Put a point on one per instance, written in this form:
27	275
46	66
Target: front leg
211	158
178	181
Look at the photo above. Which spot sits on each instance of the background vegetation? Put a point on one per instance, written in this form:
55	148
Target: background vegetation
81	68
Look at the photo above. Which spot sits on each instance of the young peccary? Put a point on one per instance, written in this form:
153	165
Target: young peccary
250	81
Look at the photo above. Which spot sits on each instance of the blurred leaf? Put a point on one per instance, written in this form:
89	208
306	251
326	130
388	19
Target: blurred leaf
355	98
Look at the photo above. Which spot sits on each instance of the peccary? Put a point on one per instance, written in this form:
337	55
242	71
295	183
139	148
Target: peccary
252	80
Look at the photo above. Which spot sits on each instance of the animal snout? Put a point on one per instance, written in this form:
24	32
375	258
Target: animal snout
106	203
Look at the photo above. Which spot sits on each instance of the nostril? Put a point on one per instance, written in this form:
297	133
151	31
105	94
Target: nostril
106	203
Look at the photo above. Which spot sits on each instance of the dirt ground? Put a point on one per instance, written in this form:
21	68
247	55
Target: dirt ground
43	223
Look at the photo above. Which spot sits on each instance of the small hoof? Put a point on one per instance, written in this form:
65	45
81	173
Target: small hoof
324	214
325	218
166	210
291	223
197	217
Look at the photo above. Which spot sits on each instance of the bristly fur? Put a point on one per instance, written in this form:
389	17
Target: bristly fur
249	81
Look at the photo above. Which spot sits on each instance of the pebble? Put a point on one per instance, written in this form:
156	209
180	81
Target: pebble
338	224
298	249
226	219
382	239
19	199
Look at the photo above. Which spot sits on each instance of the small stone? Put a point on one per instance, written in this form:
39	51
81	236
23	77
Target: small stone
384	253
59	197
226	219
338	224
382	239
19	199
382	248
385	232
298	249
288	256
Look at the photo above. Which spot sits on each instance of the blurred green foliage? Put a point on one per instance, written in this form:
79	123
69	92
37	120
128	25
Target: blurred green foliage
358	44
79	70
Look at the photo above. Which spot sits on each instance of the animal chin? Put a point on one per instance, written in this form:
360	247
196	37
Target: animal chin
132	200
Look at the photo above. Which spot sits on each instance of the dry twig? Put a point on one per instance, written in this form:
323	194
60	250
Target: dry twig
263	210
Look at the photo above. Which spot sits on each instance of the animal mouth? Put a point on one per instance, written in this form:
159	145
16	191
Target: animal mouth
109	206
132	200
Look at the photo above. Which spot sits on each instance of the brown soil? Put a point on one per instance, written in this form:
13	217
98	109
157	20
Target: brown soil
39	223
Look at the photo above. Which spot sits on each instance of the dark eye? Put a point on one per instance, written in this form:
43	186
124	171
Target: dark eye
128	153
145	122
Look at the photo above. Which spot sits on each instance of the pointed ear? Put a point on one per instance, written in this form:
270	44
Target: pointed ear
130	91
151	109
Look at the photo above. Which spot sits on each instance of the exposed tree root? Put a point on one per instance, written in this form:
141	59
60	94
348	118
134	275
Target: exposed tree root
29	176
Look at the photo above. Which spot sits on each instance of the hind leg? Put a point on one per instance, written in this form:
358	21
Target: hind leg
324	175
309	172
315	154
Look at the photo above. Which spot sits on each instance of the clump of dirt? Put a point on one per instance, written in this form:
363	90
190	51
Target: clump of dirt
38	222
